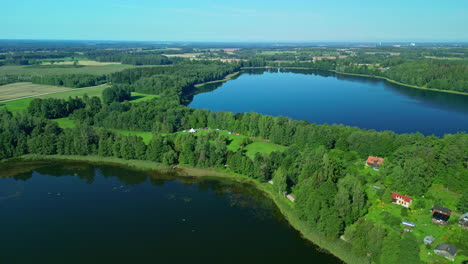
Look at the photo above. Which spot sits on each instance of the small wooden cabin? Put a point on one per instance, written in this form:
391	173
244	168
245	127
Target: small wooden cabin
440	215
401	200
374	162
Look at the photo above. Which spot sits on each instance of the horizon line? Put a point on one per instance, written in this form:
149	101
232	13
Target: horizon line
259	41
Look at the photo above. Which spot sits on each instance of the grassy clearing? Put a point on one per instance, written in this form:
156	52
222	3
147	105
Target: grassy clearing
262	147
140	97
23	89
147	136
22	104
65	122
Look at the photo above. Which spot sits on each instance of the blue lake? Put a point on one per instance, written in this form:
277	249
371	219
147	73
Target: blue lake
77	212
323	97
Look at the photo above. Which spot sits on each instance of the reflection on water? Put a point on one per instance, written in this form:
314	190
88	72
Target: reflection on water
326	97
114	214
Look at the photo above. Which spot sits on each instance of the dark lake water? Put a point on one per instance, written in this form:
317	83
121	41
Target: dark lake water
83	213
322	97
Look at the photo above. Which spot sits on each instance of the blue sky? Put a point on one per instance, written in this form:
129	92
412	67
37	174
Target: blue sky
236	21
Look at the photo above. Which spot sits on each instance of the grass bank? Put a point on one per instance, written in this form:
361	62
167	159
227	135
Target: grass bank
227	78
335	247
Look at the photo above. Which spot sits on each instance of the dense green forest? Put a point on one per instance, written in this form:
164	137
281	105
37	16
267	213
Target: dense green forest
437	67
322	166
70	80
140	58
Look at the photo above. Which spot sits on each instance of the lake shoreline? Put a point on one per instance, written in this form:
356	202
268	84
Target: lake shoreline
367	76
225	79
337	247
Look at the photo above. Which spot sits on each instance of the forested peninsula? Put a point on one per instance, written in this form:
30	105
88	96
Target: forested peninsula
337	201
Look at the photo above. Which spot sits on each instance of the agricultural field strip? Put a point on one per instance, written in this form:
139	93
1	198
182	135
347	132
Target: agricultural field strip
62	91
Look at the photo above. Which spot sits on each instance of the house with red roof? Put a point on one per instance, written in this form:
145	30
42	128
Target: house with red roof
374	161
401	200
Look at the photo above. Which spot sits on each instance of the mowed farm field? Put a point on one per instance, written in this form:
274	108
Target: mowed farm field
15	96
82	62
47	70
23	89
22	104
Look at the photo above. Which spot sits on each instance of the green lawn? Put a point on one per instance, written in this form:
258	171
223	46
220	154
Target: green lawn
262	147
22	104
147	136
65	122
140	97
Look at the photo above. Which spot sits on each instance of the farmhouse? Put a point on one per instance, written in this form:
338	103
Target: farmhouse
440	215
401	200
374	162
463	221
446	250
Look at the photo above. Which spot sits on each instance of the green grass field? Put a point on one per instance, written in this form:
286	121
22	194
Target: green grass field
22	104
24	89
34	70
140	97
262	147
65	122
147	136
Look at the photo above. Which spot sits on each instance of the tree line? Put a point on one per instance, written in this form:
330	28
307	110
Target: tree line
321	165
70	80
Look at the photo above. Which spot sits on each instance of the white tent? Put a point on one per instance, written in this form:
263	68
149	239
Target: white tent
192	130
